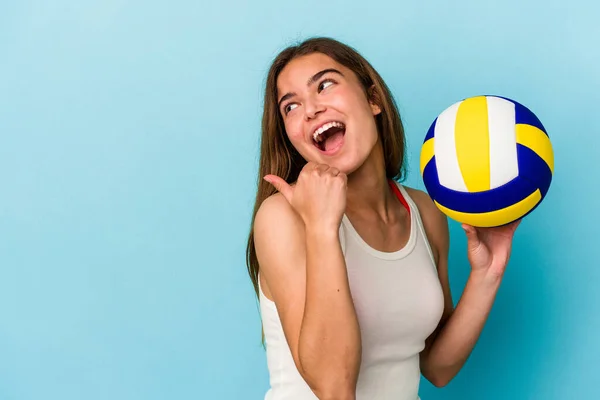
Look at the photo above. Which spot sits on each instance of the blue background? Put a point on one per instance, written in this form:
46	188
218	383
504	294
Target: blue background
128	153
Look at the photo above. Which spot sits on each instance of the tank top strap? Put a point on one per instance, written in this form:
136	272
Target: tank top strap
399	195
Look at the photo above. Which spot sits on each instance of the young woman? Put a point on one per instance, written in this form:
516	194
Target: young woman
350	267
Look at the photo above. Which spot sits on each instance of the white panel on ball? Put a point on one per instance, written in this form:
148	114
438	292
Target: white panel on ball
446	159
504	166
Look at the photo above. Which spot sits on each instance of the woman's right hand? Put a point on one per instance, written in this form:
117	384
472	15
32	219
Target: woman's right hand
319	196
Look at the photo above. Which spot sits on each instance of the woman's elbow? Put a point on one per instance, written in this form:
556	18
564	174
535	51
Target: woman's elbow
439	381
333	392
331	379
438	378
333	386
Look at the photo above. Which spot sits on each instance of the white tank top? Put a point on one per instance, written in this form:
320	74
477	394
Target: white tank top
399	302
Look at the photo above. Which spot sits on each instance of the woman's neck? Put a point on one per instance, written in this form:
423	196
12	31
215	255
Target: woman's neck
368	188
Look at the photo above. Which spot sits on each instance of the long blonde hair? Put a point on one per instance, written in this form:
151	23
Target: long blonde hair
279	157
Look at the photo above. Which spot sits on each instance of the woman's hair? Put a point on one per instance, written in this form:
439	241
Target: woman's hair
279	157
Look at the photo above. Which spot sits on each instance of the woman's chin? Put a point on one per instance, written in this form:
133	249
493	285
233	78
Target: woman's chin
344	164
340	158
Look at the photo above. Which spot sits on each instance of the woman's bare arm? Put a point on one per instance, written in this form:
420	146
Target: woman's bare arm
305	273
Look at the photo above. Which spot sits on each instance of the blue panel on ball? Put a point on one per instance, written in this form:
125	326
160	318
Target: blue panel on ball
431	131
524	116
537	176
534	168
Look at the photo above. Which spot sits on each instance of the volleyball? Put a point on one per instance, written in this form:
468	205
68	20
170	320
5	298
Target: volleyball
487	161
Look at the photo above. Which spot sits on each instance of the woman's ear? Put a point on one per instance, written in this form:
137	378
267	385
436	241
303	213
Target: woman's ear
374	100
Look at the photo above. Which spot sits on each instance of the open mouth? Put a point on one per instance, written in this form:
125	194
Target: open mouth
330	136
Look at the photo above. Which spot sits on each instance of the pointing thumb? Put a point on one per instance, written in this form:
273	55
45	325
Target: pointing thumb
281	185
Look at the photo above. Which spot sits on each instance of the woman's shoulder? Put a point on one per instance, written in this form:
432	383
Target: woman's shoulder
425	203
276	218
275	207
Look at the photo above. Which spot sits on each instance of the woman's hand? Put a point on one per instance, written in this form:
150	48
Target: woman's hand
488	249
319	195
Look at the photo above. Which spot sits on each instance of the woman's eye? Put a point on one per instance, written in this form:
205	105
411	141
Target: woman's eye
325	84
289	107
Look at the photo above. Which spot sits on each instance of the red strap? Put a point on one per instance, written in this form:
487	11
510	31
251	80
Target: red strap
399	195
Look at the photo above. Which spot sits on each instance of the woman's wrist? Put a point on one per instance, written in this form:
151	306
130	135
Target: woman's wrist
322	231
484	279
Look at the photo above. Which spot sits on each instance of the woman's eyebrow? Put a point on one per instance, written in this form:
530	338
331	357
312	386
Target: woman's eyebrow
319	74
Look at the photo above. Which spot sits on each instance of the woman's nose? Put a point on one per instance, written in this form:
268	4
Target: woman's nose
312	109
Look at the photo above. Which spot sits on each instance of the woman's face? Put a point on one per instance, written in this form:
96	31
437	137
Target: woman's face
326	113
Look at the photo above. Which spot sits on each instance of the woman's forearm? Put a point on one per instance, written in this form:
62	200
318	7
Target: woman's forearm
456	340
329	346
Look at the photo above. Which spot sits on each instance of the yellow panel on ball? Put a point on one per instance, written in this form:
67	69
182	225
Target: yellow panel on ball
498	217
426	153
537	141
473	144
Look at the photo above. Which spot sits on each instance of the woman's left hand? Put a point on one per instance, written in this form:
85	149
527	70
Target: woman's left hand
488	249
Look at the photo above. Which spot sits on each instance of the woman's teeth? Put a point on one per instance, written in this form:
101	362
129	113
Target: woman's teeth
317	135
